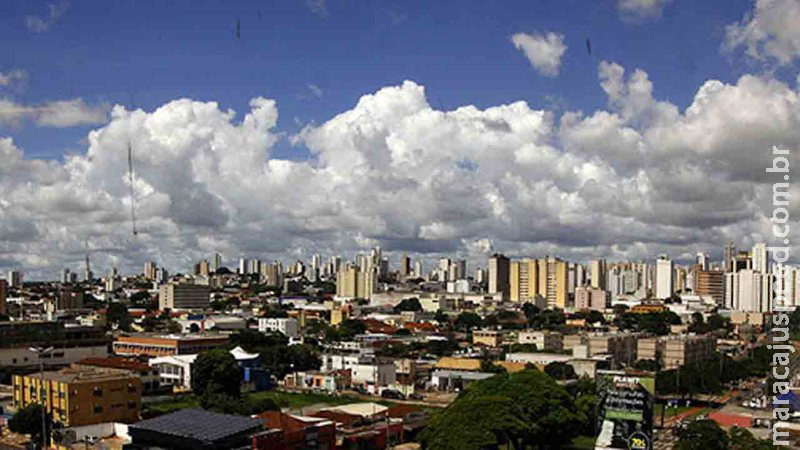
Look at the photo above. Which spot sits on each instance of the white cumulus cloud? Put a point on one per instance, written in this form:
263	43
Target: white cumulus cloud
639	177
543	51
769	32
641	10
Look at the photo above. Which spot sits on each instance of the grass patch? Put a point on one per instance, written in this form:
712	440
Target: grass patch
296	400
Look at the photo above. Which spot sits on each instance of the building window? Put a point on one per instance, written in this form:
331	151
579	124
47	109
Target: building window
98	409
98	391
131	405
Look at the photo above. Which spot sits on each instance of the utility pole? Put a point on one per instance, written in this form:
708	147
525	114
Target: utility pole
41	352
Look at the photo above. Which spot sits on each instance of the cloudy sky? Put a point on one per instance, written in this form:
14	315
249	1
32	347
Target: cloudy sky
618	128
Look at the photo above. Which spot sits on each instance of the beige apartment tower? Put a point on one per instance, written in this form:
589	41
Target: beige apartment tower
524	280
552	283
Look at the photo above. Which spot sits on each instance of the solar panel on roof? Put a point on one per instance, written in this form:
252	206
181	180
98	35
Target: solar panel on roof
198	424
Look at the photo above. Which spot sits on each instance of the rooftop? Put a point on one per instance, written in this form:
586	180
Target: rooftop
199	424
81	374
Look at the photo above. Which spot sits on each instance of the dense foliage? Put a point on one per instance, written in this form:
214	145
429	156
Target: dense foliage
526	409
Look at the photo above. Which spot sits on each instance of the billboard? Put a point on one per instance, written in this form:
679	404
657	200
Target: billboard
625	410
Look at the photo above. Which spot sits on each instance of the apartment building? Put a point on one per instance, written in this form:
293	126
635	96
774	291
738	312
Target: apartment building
78	396
677	350
183	296
548	341
591	298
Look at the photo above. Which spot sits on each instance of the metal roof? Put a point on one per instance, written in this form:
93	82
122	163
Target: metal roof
198	424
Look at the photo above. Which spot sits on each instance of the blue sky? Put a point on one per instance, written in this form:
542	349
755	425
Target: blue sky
148	53
602	160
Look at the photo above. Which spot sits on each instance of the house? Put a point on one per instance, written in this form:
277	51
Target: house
295	432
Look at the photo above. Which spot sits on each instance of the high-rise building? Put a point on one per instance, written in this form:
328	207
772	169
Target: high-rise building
664	277
419	270
552	284
203	268
443	271
729	254
480	276
499	266
316	267
87	271
3	296
523	280
15	278
64	276
150	271
242	266
630	281
405	267
352	282
742	261
598	268
703	261
614	284
787	287
271	274
680	279
749	291
710	283
216	263
759	258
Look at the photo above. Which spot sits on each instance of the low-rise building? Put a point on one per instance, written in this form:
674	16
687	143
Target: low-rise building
79	396
70	344
489	338
548	341
146	373
292	432
164	345
286	326
675	351
591	298
191	429
183	296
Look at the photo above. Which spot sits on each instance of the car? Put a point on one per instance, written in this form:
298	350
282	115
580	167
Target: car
393	394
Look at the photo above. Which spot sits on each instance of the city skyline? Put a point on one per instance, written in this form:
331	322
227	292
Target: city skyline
608	150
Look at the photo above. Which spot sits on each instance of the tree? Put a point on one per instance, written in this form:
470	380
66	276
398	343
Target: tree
549	319
530	310
649	365
523	409
698	324
216	372
560	371
743	439
441	317
703	435
28	420
408	304
117	314
466	321
489	367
